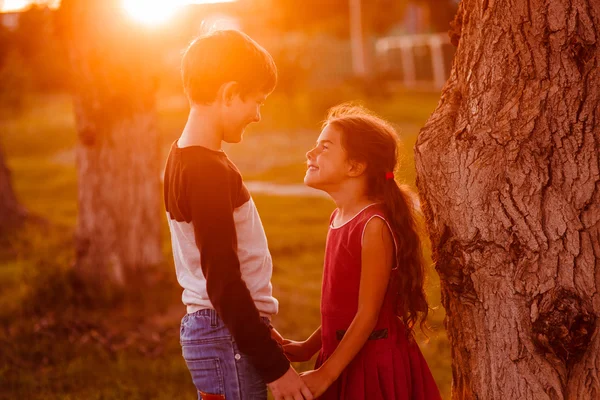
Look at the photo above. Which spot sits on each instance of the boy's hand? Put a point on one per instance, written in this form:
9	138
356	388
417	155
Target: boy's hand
290	386
297	351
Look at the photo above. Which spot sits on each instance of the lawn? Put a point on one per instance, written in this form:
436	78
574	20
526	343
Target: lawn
53	345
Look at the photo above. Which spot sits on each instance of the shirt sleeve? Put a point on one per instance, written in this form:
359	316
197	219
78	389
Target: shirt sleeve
211	192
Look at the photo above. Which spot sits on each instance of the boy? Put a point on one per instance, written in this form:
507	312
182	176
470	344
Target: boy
219	245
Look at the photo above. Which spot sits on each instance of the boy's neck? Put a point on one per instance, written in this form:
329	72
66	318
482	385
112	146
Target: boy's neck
203	128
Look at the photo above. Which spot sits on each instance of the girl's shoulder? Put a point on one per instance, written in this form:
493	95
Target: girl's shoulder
378	210
361	218
372	210
375	210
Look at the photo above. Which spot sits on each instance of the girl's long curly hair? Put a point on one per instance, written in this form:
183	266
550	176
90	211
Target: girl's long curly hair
370	139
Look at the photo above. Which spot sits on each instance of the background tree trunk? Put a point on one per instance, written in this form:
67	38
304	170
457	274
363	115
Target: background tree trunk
11	212
508	173
118	157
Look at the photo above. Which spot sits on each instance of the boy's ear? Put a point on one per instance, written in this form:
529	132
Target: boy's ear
228	91
356	168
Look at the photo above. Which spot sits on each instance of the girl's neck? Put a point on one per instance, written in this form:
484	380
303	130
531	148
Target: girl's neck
349	201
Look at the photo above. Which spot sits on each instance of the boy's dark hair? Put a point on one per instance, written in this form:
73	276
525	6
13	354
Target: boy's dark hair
223	56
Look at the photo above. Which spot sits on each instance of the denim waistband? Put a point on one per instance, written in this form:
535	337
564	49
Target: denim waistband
214	316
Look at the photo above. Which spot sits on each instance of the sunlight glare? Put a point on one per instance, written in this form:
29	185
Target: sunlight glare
152	12
15	5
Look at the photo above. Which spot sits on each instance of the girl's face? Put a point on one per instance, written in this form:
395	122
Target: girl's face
327	162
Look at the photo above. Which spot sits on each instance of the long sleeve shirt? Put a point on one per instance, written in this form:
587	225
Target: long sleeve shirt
220	250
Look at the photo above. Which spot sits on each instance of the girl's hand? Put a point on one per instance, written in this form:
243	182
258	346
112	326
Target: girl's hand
275	335
317	381
297	351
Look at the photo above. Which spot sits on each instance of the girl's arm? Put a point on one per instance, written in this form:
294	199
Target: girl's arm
303	351
275	335
377	257
313	343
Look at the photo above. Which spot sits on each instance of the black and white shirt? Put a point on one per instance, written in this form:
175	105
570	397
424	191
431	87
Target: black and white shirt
220	250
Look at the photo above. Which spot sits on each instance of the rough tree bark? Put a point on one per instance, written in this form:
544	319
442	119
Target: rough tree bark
508	173
118	159
11	212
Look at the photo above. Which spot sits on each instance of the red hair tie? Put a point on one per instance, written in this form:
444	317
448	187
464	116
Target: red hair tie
389	175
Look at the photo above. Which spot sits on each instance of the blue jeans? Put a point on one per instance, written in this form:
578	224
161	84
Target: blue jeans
216	364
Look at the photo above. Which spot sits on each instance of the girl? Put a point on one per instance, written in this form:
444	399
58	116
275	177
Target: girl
373	271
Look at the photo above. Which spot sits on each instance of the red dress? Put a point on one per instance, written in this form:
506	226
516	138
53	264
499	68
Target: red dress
388	367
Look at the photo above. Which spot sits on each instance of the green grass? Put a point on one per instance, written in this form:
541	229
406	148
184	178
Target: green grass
55	355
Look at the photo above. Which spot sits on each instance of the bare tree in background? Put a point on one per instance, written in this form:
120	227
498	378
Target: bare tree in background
508	172
11	212
118	159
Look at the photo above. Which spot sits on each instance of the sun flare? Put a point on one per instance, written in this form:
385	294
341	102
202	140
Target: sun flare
151	12
14	5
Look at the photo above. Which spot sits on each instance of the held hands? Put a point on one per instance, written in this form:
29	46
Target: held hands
290	386
297	351
317	381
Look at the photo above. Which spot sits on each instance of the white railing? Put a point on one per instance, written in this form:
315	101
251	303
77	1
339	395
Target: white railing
407	45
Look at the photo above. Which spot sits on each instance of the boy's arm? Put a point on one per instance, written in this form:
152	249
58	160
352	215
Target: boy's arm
211	206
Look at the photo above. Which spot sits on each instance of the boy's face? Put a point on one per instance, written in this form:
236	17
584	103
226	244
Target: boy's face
243	111
327	162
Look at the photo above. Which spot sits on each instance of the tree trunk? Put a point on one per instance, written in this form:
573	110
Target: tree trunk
118	157
508	173
11	212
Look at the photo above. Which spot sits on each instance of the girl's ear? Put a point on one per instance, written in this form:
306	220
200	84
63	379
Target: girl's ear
356	168
228	91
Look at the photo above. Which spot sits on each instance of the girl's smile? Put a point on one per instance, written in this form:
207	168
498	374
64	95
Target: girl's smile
326	162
